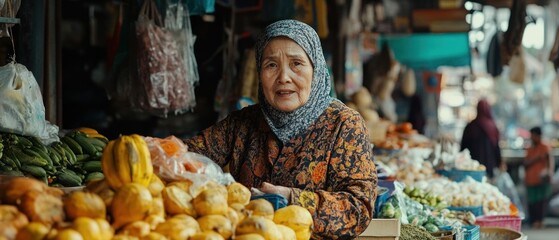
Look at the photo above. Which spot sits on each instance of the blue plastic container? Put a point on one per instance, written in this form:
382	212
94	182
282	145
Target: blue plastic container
459	175
470	232
278	201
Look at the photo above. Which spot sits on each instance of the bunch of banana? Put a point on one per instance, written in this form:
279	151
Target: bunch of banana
73	161
80	154
25	156
127	160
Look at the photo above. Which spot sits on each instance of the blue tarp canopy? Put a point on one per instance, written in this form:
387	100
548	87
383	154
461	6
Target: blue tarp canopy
430	50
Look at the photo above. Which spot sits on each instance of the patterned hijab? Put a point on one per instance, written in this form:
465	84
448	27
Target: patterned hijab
287	125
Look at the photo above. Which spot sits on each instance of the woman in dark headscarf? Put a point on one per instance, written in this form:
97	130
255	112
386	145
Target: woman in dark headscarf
298	141
481	137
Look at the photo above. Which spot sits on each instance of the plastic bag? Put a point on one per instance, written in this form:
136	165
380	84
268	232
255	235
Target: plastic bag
161	69
504	183
21	105
177	21
172	161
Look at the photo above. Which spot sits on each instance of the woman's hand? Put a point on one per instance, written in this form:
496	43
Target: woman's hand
271	188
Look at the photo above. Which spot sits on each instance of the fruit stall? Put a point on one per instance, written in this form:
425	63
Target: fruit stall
75	189
440	191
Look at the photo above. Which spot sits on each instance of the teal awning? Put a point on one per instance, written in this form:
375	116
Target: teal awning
430	50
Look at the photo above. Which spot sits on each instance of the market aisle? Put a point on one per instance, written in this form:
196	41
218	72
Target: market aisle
551	232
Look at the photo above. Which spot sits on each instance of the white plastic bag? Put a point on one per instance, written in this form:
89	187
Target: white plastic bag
504	183
21	105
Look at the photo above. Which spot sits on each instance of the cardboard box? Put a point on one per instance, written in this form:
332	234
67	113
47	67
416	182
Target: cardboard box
382	229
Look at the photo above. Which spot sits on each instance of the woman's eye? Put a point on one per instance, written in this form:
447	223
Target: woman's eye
271	65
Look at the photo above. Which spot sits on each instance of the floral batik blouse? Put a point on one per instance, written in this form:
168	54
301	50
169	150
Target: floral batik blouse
329	166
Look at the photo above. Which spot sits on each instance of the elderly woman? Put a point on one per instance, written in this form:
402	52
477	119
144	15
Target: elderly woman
298	141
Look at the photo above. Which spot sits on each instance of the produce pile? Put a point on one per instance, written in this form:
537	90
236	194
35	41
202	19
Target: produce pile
468	193
70	162
132	202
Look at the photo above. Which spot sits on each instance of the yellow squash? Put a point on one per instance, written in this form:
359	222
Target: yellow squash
127	160
131	202
93	229
84	204
33	231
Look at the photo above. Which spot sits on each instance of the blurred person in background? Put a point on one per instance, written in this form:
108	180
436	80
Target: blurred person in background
539	166
481	138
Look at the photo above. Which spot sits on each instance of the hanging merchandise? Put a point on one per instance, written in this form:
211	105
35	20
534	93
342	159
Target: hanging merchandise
177	20
517	66
8	9
162	86
314	13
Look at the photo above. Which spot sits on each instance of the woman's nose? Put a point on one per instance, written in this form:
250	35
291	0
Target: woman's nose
284	74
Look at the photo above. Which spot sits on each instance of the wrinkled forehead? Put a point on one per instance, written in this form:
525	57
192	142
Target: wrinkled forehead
299	32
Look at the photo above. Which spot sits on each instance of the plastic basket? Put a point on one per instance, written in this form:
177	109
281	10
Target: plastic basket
382	197
468	232
460	175
503	221
476	210
277	201
471	232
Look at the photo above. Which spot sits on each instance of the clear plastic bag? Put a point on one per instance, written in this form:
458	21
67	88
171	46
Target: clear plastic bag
504	183
161	67
21	105
172	161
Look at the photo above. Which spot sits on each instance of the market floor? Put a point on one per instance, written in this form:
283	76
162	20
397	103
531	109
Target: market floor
551	232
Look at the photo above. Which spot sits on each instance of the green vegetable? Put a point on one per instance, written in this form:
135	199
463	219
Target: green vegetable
387	211
431	227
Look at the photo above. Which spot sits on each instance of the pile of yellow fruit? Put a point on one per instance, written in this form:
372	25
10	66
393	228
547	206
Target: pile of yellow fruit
137	204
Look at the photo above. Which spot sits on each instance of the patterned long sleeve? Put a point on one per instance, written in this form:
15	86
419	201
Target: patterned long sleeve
329	166
344	209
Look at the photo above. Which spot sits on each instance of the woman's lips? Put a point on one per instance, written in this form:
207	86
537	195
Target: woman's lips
284	92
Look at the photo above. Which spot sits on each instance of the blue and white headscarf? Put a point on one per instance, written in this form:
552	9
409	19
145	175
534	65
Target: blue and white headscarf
286	125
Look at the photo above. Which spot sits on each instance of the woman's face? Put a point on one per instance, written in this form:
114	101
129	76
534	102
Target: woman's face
286	74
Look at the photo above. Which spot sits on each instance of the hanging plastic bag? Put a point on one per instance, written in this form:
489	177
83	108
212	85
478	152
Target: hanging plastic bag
161	68
504	183
177	21
21	105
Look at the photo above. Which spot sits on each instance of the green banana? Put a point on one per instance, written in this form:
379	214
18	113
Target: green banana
69	178
43	154
62	154
82	157
26	159
68	151
24	142
11	160
75	146
35	171
92	176
92	166
87	147
4	166
56	158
